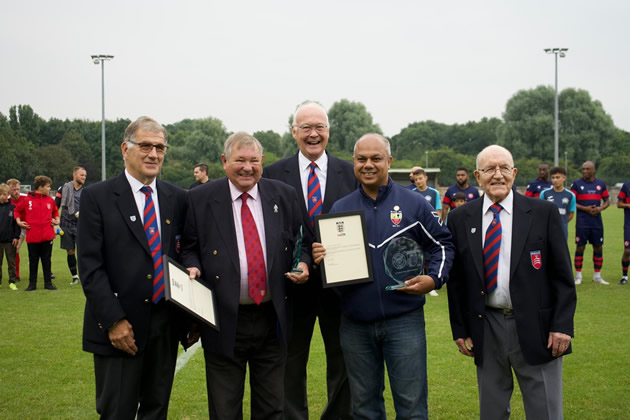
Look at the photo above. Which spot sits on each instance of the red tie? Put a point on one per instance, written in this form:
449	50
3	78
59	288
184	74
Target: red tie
314	194
256	271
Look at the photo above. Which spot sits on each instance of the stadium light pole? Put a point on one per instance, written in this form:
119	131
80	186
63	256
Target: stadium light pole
561	52
96	59
426	158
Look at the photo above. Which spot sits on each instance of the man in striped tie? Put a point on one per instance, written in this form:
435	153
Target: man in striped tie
128	223
239	239
511	292
320	179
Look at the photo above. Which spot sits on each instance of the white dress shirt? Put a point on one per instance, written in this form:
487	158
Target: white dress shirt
321	170
500	297
255	206
140	198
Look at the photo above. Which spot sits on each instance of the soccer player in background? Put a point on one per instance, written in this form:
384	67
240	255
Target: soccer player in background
623	202
563	198
461	186
591	199
538	185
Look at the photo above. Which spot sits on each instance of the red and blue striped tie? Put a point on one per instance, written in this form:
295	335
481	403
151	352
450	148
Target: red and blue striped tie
314	195
491	248
155	245
256	270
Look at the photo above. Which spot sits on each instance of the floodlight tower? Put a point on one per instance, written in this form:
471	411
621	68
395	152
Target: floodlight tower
96	59
561	52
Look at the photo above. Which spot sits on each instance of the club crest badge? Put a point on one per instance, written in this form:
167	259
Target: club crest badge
396	215
152	230
132	218
536	259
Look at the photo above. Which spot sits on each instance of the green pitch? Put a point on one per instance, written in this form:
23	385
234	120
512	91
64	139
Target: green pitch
45	374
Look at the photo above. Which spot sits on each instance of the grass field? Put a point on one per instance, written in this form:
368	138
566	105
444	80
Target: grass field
45	374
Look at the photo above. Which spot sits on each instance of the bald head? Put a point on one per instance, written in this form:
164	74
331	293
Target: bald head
495	172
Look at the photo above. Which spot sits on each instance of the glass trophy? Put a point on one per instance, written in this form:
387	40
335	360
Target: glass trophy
403	260
297	252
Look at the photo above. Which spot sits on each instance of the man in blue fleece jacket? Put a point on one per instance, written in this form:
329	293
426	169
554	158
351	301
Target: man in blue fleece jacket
380	326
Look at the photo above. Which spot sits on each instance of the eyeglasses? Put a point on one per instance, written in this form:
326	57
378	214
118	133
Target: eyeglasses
491	170
148	147
320	128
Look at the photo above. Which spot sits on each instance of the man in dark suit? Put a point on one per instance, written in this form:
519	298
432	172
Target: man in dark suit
239	239
128	326
511	294
310	301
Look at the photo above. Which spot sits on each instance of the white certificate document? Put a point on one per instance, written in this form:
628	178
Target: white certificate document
347	257
190	295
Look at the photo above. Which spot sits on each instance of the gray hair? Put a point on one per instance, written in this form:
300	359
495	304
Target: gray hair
378	136
146	124
240	139
306	103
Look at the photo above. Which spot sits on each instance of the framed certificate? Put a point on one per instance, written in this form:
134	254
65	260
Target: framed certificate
191	295
347	259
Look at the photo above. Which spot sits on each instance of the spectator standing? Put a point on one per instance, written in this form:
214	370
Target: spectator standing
15	197
37	214
68	200
9	235
200	172
591	197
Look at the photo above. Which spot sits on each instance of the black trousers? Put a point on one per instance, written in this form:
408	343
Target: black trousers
140	385
256	346
39	251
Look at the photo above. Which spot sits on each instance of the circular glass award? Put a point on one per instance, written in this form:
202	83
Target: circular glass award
403	259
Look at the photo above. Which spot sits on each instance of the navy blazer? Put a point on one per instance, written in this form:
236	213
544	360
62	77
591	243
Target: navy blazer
209	243
340	181
115	261
543	297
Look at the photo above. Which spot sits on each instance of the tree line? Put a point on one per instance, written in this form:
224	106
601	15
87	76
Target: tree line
33	146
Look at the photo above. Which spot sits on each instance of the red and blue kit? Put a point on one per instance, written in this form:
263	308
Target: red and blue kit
535	187
589	194
471	193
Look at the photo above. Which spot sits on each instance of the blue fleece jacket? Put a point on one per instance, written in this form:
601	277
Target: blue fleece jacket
396	212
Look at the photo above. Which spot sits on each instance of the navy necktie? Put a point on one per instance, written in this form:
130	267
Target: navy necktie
314	195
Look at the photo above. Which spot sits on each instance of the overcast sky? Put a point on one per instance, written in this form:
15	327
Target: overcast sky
249	63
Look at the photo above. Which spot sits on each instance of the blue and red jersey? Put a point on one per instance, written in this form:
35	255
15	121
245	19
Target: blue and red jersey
471	193
624	197
535	187
589	193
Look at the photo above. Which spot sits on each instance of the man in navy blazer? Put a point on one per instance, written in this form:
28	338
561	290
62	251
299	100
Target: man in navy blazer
310	301
253	320
132	335
525	323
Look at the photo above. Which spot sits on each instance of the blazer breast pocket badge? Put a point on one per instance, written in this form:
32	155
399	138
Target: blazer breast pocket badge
536	259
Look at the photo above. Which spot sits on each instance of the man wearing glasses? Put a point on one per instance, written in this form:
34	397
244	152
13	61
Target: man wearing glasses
511	293
320	179
127	224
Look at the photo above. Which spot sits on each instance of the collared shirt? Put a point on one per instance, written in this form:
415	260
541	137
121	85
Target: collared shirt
140	198
255	206
500	298
321	171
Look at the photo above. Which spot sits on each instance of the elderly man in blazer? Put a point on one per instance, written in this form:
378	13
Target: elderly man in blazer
128	325
511	292
239	239
310	301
